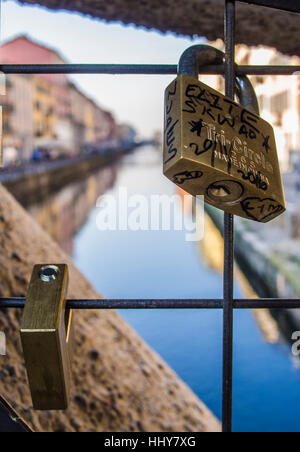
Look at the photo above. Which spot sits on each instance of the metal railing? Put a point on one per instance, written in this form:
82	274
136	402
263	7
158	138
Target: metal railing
227	304
286	5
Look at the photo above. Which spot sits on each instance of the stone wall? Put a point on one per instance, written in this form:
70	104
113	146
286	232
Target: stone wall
120	384
255	25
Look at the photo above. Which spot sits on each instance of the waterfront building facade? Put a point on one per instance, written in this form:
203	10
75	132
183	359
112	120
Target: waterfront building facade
18	113
47	111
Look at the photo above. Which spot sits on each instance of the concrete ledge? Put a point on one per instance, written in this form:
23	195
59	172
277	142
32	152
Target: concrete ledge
34	183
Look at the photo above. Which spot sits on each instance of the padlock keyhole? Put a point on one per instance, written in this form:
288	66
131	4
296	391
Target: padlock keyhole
225	192
49	273
220	192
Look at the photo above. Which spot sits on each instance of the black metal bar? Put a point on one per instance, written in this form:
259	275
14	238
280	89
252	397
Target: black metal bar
146	304
259	303
286	5
10	421
267	303
253	70
135	69
228	236
112	69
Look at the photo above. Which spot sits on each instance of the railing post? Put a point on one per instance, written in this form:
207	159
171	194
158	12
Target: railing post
228	237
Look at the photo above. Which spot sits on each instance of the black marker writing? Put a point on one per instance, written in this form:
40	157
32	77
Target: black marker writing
254	179
261	209
266	144
170	125
184	176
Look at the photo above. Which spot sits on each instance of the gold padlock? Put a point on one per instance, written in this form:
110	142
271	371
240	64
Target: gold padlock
218	148
46	337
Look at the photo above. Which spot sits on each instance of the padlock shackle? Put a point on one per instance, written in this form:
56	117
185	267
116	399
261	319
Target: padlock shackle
202	55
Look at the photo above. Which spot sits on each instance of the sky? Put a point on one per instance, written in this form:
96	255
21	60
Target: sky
135	100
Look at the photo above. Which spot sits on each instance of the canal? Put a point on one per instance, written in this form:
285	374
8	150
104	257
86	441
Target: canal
162	264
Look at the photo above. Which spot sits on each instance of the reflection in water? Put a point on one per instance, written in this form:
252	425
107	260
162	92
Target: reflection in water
212	252
162	264
64	213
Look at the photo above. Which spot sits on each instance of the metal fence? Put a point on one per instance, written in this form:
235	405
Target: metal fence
227	304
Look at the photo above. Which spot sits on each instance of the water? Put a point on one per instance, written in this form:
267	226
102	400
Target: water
142	264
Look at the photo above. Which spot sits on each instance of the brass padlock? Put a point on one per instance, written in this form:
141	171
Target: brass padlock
218	148
46	337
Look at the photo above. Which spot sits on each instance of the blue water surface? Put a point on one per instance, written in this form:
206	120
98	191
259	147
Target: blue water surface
161	264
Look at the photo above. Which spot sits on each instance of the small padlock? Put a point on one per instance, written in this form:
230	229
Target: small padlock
217	148
46	337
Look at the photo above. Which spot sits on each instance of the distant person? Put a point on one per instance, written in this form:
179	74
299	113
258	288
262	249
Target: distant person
36	155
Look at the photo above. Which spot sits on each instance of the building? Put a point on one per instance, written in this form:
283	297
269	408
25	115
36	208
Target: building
279	96
92	125
47	110
18	113
43	110
78	116
279	99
